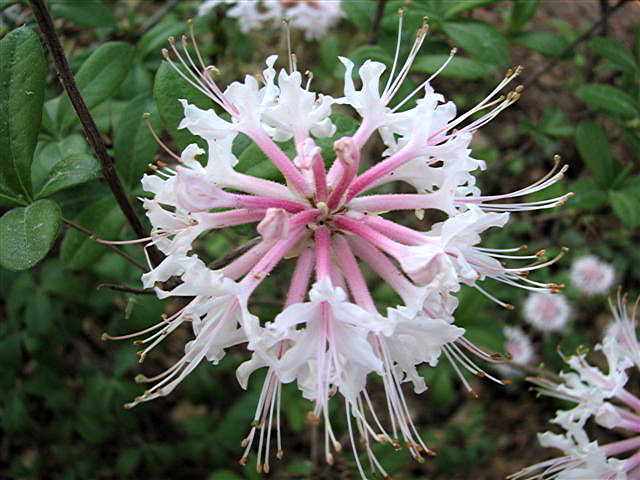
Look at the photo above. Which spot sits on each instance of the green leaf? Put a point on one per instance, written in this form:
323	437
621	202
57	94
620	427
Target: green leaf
49	154
626	206
27	234
73	170
595	150
588	196
37	315
88	13
555	123
542	42
22	79
134	146
480	40
459	67
454	7
608	98
15	417
616	52
98	78
103	218
521	13
360	13
167	89
156	38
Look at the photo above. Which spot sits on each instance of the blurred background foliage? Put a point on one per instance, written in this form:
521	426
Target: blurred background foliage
63	389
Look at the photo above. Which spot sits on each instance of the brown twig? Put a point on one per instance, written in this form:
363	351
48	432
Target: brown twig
93	236
235	253
377	22
585	36
93	136
124	288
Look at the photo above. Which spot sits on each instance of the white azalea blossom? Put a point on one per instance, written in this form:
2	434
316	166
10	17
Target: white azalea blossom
313	17
330	337
602	397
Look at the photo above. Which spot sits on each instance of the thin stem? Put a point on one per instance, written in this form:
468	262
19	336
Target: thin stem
93	136
377	22
158	16
93	236
125	288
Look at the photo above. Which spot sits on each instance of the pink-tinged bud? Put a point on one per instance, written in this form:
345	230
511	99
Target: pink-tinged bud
196	192
274	225
347	152
547	312
592	276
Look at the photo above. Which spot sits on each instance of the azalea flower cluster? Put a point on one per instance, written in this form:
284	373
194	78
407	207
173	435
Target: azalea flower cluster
602	397
330	336
313	17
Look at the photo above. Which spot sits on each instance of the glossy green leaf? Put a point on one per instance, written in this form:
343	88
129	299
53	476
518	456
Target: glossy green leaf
454	7
49	154
22	80
73	170
588	195
595	150
479	39
626	205
27	234
459	67
87	13
542	42
609	99
156	38
98	78
134	146
103	218
616	52
521	12
168	88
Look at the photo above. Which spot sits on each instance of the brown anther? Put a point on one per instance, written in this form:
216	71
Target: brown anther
243	461
506	382
400	12
337	446
523	247
519	88
104	337
313	418
420	459
329	458
259	468
453	51
279	454
508	306
265	468
162	164
244	442
255	423
540	253
257	276
508	73
165	53
171	40
137	342
497	356
474	395
146	116
432	453
519	69
481	374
